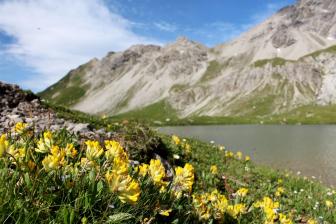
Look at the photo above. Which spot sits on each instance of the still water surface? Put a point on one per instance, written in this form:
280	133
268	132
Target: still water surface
308	149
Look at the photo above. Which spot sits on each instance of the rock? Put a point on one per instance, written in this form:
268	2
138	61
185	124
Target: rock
19	106
15	118
79	128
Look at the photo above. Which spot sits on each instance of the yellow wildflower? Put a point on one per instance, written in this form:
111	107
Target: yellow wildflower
229	154
165	212
114	149
235	210
143	169
219	204
12	151
247	158
284	219
128	190
200	204
214	169
45	143
221	148
187	148
184	179
50	163
20	127
93	150
269	208
242	192
4	145
120	165
157	172
70	151
16	153
312	221
176	140
280	191
329	204
54	160
239	155
86	163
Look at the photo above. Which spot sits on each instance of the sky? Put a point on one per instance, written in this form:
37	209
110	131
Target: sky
42	40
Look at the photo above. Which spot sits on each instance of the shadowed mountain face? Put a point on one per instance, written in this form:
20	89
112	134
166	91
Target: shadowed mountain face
284	63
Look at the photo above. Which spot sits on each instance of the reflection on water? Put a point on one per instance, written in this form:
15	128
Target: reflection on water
309	149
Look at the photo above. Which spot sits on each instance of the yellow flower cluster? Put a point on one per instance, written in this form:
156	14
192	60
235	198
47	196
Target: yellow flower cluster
157	173
93	150
128	189
214	169
45	143
176	140
114	149
279	191
284	219
118	179
242	192
229	154
238	155
216	205
329	204
20	127
182	182
110	165
312	221
55	160
4	145
184	179
269	207
16	153
70	151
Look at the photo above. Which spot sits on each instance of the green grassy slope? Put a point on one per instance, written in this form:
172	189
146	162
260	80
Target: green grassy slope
159	111
69	89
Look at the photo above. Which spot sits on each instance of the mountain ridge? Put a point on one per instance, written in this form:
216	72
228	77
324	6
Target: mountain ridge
260	73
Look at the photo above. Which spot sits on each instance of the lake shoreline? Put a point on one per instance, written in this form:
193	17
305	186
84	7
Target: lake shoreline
293	147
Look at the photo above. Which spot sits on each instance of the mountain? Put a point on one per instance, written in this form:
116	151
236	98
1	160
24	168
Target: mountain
285	63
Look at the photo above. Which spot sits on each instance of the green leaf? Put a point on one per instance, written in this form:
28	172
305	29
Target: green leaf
119	218
72	216
27	180
100	186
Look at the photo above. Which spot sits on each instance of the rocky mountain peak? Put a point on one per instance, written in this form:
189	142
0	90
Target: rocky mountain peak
262	66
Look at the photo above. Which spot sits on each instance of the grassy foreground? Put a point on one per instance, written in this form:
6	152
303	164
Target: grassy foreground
140	176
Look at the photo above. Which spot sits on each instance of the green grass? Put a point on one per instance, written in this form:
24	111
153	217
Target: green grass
69	89
331	50
309	114
159	111
281	61
64	195
213	70
274	62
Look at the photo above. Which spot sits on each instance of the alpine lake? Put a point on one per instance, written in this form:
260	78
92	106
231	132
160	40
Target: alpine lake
306	150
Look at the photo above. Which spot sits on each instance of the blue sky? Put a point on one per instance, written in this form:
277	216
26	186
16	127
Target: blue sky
41	40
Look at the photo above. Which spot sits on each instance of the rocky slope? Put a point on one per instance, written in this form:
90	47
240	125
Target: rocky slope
20	106
286	62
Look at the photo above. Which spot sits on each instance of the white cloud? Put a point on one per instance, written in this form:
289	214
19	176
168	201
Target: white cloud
54	36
